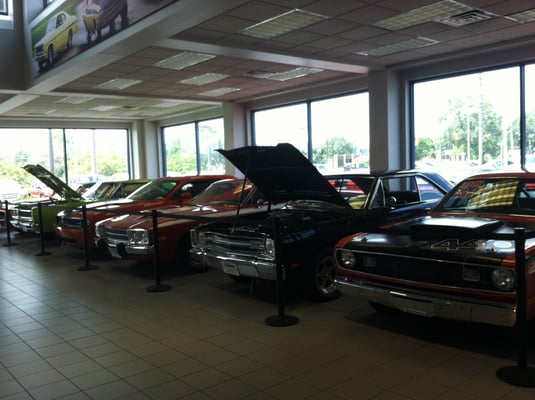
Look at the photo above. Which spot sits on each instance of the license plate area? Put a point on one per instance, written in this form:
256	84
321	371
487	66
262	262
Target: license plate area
231	268
412	306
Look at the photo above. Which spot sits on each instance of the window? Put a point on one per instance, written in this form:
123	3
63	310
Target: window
92	154
211	138
6	14
530	117
338	135
468	124
4	7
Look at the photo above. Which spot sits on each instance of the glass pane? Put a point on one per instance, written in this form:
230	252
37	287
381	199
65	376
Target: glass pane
282	125
340	133
96	154
468	124
530	118
29	146
211	138
180	150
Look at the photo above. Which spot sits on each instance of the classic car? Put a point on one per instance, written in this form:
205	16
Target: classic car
99	14
458	262
24	214
320	210
132	236
60	30
158	193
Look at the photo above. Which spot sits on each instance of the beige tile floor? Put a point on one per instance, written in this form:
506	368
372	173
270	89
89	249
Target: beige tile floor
99	334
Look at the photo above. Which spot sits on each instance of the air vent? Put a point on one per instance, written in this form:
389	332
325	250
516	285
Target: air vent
465	18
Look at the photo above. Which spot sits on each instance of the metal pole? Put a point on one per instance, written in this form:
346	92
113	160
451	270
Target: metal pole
157	287
86	266
41	230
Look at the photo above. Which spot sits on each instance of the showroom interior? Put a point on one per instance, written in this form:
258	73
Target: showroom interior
77	333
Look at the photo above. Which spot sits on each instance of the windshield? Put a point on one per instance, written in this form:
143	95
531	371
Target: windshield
355	189
227	192
509	195
156	189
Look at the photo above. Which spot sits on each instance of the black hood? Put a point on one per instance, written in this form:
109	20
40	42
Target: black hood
282	173
461	227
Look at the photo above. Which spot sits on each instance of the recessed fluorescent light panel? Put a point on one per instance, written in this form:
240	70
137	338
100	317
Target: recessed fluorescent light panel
41	112
167	104
399	47
74	100
524	16
284	75
431	12
284	23
466	18
204	79
183	60
219	92
104	108
118	84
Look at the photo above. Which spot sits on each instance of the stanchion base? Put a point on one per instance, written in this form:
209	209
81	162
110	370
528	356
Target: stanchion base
517	376
281	320
158	288
43	253
87	267
9	244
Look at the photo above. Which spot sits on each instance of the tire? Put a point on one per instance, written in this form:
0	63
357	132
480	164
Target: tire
321	279
50	56
183	258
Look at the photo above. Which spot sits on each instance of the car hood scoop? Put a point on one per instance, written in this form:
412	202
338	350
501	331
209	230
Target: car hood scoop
283	173
443	227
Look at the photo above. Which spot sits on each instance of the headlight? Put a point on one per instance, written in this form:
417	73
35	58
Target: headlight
138	237
269	247
503	279
346	258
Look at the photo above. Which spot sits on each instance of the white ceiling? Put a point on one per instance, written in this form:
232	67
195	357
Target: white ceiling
334	45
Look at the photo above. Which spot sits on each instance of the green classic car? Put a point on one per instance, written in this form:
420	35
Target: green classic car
24	215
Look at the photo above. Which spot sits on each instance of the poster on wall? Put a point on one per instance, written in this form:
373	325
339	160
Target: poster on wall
71	27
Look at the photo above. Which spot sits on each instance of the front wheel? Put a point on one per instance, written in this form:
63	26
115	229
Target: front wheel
183	258
322	276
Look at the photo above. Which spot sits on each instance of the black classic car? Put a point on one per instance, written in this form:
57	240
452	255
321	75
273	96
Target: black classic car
458	262
318	211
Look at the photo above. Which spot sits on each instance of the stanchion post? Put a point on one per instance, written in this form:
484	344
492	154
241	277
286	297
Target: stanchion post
86	266
8	227
521	374
157	287
41	230
281	319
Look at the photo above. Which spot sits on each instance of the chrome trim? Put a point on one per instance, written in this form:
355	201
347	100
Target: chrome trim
426	304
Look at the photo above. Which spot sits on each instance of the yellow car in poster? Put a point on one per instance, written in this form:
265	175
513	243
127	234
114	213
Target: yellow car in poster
58	37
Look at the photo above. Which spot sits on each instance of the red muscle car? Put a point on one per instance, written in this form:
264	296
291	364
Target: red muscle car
457	263
157	193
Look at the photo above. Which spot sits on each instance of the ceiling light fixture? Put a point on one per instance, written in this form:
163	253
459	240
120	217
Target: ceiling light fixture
118	84
74	100
282	76
41	112
466	18
219	92
104	108
431	12
399	47
183	60
284	23
204	79
524	16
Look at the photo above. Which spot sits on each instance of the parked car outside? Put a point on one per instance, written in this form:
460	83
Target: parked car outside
158	193
24	215
10	190
99	14
320	210
60	30
132	236
452	263
39	189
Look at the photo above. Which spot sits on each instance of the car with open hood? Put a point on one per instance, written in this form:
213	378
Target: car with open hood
160	192
24	215
132	235
458	262
319	210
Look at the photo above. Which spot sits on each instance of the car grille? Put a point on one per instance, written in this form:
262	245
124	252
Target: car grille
114	236
429	271
235	245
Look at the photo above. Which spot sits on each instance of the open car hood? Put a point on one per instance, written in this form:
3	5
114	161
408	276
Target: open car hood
53	182
282	173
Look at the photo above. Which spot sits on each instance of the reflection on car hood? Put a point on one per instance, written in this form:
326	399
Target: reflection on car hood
282	173
53	182
429	228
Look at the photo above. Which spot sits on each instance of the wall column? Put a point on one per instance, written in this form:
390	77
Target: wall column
146	153
236	131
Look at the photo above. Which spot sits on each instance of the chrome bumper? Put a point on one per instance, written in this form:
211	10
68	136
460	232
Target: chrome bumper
425	305
235	266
